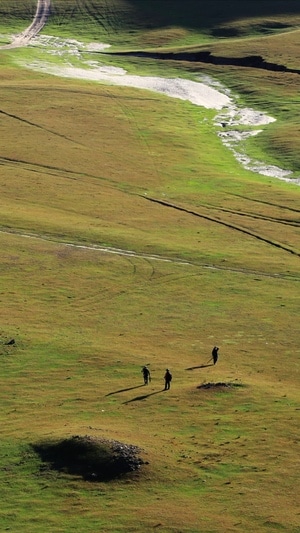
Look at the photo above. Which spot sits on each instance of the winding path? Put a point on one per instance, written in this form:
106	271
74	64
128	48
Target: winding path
39	21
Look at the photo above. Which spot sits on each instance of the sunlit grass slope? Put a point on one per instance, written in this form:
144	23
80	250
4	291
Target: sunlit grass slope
130	235
84	323
260	28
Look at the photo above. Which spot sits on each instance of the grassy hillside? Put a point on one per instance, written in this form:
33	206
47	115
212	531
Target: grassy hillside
267	29
160	22
131	235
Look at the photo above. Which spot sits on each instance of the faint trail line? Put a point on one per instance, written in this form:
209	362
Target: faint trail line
40	18
16	117
99	248
223	223
130	253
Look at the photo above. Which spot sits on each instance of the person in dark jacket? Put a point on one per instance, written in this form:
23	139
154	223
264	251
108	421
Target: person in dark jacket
214	354
168	379
146	375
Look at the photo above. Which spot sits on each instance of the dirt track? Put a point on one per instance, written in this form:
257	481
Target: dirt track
39	21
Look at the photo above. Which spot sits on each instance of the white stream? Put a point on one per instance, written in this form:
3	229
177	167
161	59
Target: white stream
206	92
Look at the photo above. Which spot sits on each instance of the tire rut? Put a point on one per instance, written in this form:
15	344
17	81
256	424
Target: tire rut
148	257
58	172
95	16
16	117
223	223
255	216
264	202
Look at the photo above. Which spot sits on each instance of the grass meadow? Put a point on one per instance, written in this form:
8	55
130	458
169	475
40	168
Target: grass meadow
130	235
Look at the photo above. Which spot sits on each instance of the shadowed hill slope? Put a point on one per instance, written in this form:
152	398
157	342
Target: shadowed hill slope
202	14
214	17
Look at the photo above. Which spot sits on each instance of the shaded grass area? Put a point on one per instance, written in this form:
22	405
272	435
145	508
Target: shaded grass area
130	22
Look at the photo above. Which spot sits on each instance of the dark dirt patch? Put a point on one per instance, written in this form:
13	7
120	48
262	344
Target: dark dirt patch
219	385
94	459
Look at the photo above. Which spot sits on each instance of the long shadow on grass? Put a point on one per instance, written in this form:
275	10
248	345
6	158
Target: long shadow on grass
143	397
202	14
200	366
124	390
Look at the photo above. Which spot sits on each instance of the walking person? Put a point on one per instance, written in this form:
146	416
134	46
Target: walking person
215	354
168	379
146	375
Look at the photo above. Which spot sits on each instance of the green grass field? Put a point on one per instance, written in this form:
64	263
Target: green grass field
131	235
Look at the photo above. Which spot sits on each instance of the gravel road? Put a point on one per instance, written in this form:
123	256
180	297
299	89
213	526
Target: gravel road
39	21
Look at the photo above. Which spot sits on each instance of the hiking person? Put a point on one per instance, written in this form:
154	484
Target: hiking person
146	375
168	379
214	354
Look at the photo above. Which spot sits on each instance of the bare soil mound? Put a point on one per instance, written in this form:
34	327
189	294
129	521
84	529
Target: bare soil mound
94	459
